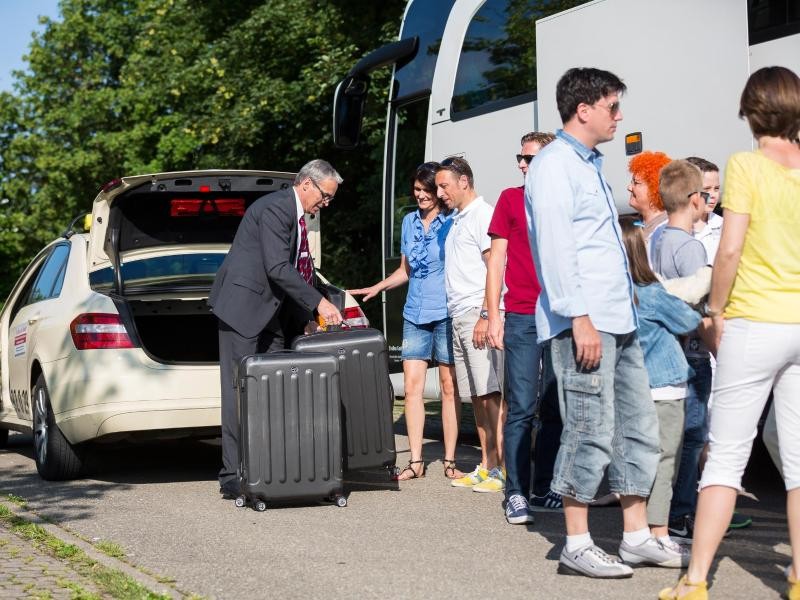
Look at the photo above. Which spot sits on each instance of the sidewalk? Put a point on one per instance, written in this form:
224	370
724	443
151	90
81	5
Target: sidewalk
26	572
41	560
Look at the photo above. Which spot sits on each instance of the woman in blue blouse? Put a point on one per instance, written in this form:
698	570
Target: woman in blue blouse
427	331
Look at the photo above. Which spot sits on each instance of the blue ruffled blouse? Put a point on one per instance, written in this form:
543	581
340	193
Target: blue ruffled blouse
426	300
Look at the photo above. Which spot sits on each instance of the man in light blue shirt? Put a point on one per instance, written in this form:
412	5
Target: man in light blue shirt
587	309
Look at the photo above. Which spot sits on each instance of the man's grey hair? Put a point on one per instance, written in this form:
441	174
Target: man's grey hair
317	170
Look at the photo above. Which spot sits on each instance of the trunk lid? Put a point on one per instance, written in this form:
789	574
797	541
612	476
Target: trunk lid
168	225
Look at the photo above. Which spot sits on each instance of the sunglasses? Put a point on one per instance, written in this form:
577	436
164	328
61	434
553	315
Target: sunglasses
526	157
704	195
612	108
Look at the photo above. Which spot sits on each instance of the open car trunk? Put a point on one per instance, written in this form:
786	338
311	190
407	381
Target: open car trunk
176	331
155	246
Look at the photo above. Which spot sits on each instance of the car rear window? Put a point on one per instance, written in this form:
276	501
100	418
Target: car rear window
195	268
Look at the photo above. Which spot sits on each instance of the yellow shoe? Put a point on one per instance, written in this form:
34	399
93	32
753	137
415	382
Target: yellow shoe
699	591
495	481
471	479
793	591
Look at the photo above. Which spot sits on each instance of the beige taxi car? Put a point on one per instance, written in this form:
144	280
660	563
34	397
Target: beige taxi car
107	335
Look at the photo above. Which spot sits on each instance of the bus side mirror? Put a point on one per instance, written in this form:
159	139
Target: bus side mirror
348	110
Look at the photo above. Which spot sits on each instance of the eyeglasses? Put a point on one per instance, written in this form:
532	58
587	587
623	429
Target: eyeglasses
526	157
612	108
326	197
704	195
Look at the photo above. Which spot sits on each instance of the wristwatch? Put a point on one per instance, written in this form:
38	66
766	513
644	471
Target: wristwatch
710	313
484	314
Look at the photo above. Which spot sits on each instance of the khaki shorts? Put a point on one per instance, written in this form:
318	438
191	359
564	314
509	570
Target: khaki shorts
478	372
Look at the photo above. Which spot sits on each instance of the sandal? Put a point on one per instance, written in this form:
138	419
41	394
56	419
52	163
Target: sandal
409	467
450	470
697	591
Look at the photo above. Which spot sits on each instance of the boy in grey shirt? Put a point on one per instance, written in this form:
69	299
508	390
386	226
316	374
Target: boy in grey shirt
678	254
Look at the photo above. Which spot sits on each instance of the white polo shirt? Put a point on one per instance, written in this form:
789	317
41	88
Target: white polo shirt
464	268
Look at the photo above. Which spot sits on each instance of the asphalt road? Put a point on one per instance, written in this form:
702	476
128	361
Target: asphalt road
422	540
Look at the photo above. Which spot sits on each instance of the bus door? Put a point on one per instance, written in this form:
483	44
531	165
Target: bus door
405	151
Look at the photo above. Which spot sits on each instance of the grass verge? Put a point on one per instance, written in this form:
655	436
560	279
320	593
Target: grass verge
112	582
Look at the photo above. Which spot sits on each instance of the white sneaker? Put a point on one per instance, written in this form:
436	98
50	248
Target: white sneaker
592	561
655	552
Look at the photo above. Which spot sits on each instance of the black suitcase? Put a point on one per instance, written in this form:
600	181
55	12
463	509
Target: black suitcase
290	443
366	393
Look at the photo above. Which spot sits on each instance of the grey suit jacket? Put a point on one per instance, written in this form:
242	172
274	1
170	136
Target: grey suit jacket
259	271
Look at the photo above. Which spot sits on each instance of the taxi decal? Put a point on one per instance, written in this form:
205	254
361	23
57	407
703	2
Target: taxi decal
20	339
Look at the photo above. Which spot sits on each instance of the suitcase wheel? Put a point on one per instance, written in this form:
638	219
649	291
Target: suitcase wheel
239	502
341	501
260	505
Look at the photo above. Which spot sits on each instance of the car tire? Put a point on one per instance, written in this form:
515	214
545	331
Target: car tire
3	438
56	459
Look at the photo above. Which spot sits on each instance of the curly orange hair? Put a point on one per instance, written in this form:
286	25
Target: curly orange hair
647	167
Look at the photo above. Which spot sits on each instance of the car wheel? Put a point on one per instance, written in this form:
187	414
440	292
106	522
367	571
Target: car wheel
56	459
3	438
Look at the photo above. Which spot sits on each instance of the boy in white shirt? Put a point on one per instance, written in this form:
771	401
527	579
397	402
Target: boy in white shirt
708	229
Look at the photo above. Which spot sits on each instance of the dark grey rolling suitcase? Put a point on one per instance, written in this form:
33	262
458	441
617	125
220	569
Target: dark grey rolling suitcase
366	393
290	444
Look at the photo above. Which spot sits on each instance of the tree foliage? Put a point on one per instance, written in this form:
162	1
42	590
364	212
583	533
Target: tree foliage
123	87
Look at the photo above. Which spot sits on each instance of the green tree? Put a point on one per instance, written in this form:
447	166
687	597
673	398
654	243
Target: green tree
122	87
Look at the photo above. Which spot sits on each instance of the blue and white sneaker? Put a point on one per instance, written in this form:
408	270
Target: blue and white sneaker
550	502
517	510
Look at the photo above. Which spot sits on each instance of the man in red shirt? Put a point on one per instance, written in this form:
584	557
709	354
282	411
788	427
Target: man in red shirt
510	255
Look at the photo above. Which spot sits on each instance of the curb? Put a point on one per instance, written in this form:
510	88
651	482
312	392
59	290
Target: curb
64	535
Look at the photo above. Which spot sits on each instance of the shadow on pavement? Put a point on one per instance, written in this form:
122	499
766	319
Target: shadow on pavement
74	500
755	549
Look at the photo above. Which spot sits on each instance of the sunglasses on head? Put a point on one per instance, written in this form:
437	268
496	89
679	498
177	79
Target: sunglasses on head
526	157
704	195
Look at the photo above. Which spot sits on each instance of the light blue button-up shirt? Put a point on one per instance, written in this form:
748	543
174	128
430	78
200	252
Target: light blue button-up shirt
576	241
426	300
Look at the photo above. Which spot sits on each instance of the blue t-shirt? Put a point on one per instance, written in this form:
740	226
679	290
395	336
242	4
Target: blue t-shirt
426	301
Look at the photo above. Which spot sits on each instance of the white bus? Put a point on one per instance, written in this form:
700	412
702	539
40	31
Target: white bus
472	76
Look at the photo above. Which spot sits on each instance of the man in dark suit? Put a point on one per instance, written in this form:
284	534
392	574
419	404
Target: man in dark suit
261	287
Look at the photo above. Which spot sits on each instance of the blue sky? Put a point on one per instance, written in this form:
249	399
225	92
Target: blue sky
18	19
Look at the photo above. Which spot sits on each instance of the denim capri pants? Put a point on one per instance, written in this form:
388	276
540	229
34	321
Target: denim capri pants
424	341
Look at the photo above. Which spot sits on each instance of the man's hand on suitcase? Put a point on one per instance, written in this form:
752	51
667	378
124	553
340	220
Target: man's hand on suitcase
329	313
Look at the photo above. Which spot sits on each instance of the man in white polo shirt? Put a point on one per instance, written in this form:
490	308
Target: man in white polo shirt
479	372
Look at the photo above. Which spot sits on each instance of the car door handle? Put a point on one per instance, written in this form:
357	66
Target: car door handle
32	320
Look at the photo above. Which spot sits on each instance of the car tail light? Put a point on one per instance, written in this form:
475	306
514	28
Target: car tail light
193	207
114	183
96	331
355	317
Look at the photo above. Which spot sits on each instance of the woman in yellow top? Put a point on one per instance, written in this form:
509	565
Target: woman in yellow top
756	288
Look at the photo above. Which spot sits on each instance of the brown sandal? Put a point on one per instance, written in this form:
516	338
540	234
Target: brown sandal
409	467
450	469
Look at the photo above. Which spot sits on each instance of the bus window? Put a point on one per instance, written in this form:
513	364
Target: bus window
426	20
497	66
772	19
410	121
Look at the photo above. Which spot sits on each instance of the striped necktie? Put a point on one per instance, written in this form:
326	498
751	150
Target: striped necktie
304	263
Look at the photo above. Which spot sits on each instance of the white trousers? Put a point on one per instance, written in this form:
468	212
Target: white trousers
753	359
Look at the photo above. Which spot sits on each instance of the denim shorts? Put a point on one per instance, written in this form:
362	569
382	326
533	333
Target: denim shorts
610	420
424	341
